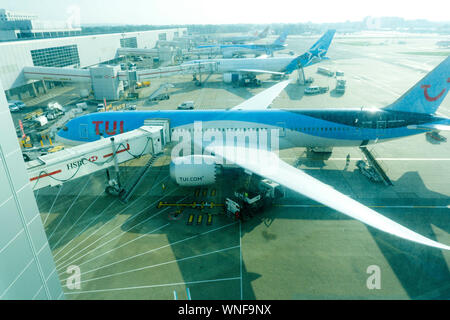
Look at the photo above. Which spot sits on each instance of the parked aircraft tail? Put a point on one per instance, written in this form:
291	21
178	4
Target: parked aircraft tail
281	40
263	33
316	53
426	95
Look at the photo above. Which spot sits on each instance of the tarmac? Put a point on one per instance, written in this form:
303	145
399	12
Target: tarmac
298	249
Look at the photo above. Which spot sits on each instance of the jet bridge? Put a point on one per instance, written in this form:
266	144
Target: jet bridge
85	75
69	164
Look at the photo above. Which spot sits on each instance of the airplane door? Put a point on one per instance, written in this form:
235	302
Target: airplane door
381	128
84	131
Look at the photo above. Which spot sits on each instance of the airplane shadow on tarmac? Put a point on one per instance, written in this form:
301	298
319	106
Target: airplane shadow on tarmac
422	271
295	91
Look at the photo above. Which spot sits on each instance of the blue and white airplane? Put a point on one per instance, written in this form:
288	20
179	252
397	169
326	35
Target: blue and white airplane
230	50
244	38
236	69
411	114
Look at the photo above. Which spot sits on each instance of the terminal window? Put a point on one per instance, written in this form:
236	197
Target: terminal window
128	42
162	36
56	56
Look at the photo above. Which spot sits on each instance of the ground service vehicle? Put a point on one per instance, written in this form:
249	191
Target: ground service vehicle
187	105
316	90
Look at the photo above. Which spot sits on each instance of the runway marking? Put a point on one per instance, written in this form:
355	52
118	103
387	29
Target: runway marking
50	211
146	234
73	202
154	266
128	242
162	247
103	211
154	286
76	246
106	223
85	210
374	206
105	235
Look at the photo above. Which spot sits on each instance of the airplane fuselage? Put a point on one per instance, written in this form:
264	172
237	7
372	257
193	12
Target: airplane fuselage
243	48
276	64
295	128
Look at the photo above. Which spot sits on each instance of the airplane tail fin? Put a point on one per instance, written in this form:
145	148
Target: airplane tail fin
426	95
281	40
263	33
315	54
320	48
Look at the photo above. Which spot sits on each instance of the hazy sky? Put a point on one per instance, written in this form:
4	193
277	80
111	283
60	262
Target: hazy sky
230	11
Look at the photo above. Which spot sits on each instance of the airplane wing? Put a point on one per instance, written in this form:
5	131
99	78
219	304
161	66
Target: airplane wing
269	165
263	99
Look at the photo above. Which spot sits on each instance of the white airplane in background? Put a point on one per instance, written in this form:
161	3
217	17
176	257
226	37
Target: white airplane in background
230	50
244	38
237	69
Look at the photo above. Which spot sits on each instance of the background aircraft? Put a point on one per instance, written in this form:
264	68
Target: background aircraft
411	114
230	50
244	38
237	69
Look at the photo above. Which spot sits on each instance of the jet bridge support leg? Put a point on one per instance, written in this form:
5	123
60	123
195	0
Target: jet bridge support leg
114	187
300	76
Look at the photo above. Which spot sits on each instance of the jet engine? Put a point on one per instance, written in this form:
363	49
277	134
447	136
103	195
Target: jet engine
194	170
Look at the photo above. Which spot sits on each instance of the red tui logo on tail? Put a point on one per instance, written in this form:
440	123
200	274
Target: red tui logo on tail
427	96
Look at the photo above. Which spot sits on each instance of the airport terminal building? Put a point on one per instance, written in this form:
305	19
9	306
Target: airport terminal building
74	52
32	273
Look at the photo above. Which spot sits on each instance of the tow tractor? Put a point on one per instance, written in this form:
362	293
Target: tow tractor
246	203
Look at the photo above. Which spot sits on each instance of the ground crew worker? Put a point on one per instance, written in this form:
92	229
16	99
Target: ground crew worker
347	161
